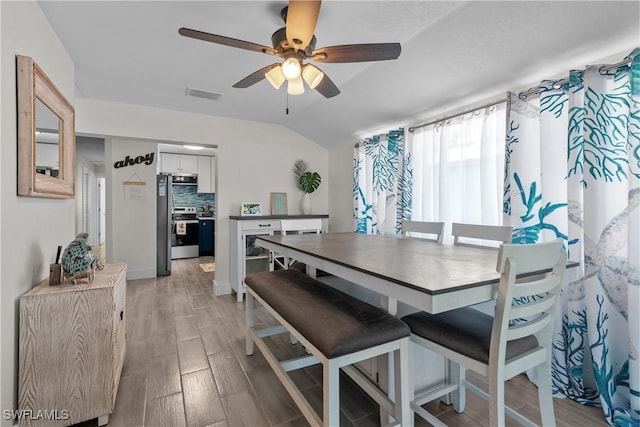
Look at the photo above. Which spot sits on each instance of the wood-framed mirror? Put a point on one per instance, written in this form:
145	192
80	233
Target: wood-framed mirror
46	135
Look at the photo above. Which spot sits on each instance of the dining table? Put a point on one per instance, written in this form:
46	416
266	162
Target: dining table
422	274
426	275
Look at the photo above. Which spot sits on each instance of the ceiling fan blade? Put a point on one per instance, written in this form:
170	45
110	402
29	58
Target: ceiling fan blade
302	16
327	88
227	41
357	52
254	78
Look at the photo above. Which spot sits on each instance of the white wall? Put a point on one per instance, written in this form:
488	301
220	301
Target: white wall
254	159
131	222
31	228
341	188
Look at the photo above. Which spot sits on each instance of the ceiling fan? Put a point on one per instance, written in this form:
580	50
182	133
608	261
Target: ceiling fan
296	43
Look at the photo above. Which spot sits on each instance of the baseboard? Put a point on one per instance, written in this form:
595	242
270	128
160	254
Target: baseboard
141	274
220	289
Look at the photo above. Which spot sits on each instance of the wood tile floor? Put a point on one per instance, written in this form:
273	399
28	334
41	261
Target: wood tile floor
185	366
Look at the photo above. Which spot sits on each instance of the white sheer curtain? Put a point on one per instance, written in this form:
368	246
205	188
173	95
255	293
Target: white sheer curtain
458	168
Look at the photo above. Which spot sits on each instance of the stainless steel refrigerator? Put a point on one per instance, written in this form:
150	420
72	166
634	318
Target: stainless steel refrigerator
165	219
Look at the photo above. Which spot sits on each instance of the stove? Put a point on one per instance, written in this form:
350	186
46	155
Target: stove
185	233
184	213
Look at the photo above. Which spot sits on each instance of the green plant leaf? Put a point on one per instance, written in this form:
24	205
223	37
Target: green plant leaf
299	169
310	181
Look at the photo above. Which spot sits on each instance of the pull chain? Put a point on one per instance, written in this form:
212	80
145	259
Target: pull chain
287	104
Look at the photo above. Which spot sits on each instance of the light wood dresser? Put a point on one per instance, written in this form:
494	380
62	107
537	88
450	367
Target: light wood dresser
71	350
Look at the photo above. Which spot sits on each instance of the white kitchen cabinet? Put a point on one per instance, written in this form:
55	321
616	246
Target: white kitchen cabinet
246	256
206	174
189	164
178	163
169	163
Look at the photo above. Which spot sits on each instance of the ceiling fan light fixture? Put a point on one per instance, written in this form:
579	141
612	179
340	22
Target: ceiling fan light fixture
295	86
275	77
291	68
312	75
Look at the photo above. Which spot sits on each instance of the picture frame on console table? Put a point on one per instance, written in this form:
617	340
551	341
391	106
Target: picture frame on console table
278	203
251	209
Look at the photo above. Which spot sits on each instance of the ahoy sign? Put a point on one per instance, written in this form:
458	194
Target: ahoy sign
128	161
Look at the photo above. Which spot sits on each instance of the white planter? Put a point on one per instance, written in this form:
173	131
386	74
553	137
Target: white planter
305	203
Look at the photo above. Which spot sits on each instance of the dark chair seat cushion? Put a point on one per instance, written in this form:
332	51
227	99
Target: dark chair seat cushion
466	331
334	322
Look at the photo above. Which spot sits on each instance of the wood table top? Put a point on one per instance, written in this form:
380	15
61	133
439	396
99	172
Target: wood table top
422	265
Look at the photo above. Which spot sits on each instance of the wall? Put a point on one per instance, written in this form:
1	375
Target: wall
254	159
131	218
341	188
31	228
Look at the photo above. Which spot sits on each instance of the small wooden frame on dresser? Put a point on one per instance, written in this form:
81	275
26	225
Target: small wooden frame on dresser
72	346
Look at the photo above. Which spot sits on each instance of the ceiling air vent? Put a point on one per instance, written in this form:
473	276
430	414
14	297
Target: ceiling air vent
199	93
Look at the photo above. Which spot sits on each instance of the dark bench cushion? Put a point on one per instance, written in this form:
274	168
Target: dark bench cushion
466	331
334	322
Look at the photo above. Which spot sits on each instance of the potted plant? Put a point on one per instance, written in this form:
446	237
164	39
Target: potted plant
306	181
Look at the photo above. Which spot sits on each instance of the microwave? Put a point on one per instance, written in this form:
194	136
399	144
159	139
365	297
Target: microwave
185	179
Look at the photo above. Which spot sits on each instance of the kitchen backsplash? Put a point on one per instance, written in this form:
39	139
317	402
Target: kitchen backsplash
187	195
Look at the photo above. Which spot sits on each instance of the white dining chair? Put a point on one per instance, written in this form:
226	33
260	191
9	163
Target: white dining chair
478	235
296	226
434	230
517	338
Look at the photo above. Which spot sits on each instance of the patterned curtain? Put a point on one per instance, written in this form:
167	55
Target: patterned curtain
381	184
573	171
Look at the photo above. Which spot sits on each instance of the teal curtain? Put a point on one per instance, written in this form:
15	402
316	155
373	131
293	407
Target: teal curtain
573	171
381	184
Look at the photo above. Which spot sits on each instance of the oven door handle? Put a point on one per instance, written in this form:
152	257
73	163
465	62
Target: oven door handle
188	221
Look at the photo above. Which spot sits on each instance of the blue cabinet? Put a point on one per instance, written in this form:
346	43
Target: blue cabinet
207	241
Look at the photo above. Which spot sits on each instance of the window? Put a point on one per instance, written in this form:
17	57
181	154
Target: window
458	168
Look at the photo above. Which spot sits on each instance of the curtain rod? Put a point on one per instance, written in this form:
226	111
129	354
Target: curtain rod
558	83
471	110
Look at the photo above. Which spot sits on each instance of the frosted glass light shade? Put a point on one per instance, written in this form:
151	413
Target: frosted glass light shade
275	77
291	68
312	75
295	86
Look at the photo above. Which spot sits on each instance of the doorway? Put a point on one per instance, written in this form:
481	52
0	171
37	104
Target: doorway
102	219
91	193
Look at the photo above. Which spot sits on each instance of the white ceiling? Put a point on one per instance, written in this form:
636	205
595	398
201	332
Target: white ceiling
452	51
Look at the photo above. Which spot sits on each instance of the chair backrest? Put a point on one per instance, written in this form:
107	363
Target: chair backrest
424	227
301	226
526	306
479	235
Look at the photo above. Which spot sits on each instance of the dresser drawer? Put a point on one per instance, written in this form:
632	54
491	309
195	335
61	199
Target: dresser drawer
261	225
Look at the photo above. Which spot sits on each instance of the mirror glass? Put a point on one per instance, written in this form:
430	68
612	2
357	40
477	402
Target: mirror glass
47	140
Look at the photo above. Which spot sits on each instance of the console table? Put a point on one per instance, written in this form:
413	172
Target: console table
72	346
246	257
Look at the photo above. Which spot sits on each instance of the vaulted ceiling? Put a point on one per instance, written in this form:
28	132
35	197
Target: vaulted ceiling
130	51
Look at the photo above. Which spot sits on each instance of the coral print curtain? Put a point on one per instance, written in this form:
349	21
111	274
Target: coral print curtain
381	184
573	171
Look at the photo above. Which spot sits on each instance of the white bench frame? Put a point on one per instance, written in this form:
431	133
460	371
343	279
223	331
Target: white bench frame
397	350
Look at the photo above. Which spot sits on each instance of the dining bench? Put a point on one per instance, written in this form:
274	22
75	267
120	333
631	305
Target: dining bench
337	330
